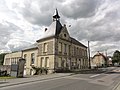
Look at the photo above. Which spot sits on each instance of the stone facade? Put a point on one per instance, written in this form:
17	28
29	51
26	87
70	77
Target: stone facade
55	50
99	60
12	58
31	60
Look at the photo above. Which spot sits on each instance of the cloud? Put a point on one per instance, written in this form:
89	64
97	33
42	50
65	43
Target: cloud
80	8
15	32
102	27
36	12
16	44
23	22
9	32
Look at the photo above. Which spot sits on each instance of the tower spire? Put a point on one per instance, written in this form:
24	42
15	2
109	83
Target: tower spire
56	15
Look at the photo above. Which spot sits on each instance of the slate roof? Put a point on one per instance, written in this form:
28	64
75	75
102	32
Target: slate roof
74	41
53	30
33	46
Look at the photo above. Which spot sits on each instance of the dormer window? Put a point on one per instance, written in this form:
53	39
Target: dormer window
45	29
64	35
32	58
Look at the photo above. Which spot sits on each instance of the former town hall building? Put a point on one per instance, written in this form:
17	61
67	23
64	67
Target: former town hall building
56	49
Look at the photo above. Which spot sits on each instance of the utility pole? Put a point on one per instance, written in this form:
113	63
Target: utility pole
89	55
107	60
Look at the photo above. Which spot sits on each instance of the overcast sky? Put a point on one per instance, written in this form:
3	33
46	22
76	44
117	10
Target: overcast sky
22	22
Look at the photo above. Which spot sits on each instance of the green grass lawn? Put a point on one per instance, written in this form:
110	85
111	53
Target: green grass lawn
7	77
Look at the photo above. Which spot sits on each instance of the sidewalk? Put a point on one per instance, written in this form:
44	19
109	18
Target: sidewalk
17	81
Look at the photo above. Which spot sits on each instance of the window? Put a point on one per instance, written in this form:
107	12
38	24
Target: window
76	62
60	47
65	48
45	47
85	53
69	50
6	61
63	63
80	52
47	62
12	62
64	35
74	50
59	62
25	57
15	61
42	62
77	51
32	58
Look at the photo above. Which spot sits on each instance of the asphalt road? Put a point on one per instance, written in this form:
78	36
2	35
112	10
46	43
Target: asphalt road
101	81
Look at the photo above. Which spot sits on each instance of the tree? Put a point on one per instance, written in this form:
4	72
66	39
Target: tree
116	57
2	55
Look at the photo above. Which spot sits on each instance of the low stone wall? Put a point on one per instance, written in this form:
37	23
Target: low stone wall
5	68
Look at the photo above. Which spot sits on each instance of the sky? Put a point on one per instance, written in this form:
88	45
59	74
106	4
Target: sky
22	22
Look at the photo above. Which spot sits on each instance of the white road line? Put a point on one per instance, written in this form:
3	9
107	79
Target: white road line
116	86
94	75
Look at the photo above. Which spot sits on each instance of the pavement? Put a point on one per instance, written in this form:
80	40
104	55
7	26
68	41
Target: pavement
72	82
91	79
29	79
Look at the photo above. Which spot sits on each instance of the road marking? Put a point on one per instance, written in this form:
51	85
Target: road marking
116	86
94	75
77	78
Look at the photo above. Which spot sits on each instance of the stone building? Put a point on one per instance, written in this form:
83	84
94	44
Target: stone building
55	50
99	60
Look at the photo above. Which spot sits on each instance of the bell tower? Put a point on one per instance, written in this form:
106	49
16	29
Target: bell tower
56	16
